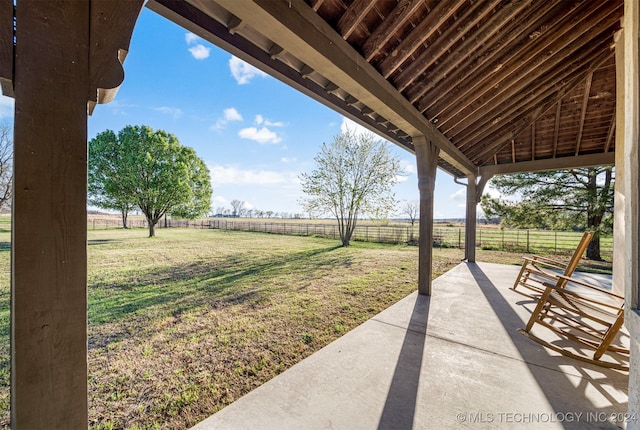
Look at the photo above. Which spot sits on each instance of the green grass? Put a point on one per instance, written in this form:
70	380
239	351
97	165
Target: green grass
183	324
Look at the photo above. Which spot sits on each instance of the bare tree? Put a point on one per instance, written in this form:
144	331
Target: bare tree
412	210
6	164
238	206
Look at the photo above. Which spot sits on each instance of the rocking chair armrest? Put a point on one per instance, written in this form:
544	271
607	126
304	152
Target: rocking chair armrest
592	287
544	261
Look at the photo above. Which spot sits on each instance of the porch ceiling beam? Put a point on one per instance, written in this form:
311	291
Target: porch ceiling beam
425	29
509	71
297	28
455	33
526	119
589	160
454	68
401	13
353	16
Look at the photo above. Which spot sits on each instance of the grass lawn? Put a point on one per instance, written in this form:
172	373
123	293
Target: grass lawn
183	324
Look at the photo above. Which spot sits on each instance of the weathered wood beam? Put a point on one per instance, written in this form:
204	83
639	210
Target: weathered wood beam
556	128
296	28
541	165
464	25
316	4
49	255
195	20
383	33
533	141
423	31
470	220
611	133
6	47
525	96
427	163
526	119
525	63
583	112
513	151
353	16
447	71
112	25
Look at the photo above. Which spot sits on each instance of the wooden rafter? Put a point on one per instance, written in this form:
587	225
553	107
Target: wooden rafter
533	141
440	14
528	94
524	121
353	16
398	17
453	68
454	34
610	134
583	113
556	128
524	69
474	76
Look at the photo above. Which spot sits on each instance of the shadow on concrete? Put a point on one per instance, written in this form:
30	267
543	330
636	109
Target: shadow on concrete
400	405
560	391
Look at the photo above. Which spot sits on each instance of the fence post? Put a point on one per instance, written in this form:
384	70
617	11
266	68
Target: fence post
503	239
480	241
527	241
459	238
555	244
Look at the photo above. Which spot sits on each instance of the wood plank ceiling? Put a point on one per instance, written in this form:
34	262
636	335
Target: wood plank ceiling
492	82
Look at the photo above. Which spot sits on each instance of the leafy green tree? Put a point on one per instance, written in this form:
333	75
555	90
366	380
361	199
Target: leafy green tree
150	170
564	200
353	177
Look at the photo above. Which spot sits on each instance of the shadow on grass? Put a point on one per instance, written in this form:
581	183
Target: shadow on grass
5	246
176	289
91	242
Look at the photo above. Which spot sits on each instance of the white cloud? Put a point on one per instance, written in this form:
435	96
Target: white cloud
228	115
234	175
262	135
461	194
174	112
409	166
260	121
191	38
200	52
231	114
219	200
6	107
288	160
243	72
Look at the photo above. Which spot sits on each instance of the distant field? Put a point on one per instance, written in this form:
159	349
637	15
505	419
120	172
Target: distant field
183	324
446	235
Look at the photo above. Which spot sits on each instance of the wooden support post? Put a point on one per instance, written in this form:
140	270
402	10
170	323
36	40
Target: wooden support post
49	223
427	162
470	221
619	200
629	249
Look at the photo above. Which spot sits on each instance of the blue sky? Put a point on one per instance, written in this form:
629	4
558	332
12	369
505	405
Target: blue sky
255	133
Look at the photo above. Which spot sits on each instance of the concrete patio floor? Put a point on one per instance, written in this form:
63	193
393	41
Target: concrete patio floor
452	360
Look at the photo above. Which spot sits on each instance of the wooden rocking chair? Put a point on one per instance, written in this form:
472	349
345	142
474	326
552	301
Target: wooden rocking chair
584	316
536	269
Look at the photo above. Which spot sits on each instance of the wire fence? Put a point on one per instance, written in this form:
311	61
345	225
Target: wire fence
444	236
